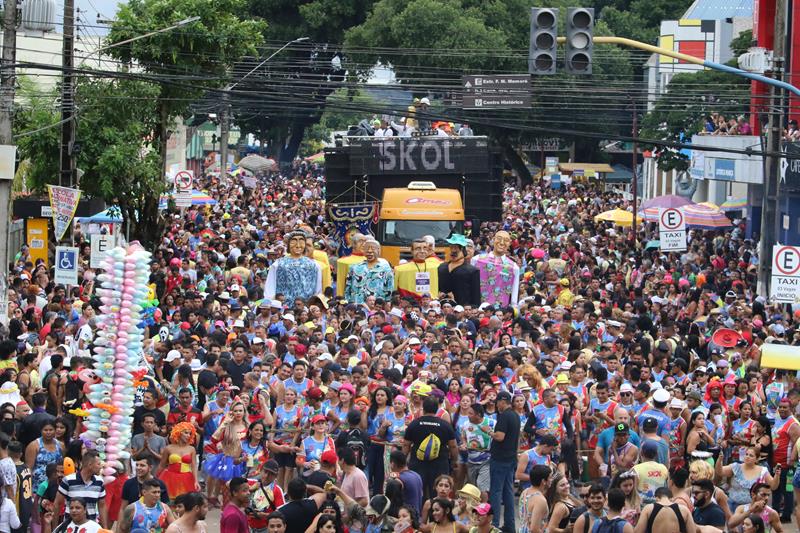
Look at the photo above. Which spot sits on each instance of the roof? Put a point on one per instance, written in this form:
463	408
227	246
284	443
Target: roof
719	9
620	174
597	167
405	204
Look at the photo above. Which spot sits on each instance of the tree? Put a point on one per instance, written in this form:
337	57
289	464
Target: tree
292	90
690	97
641	19
482	36
185	63
117	161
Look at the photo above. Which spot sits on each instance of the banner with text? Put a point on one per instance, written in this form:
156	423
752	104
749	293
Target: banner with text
64	203
349	220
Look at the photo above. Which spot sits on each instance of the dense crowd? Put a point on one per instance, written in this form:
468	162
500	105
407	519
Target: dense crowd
557	376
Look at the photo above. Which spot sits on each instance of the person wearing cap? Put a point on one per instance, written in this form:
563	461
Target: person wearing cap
373	277
265	497
482	516
309	456
294	275
661	398
650	473
459	277
420	275
431	444
503	461
648	431
606	439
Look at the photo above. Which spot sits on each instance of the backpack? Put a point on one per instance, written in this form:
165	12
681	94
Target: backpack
604	525
429	448
355	442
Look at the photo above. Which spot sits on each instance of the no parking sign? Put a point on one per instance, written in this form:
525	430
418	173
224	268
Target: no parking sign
672	229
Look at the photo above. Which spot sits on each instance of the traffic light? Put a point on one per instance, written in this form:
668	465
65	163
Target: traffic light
544	34
580	29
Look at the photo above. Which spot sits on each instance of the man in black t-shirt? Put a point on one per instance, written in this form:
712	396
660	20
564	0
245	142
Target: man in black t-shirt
503	461
425	459
149	407
238	366
300	511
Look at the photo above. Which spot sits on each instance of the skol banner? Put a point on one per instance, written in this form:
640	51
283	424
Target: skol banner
352	219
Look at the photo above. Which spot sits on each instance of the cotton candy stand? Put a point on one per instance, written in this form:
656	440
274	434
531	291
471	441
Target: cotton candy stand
118	348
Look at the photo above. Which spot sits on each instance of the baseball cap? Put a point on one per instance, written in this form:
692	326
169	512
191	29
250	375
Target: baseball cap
271	466
318	418
504	396
676	403
413	341
329	457
650	423
649	447
315	393
621	429
172	355
626	387
257	340
722	363
289	317
458	309
482	509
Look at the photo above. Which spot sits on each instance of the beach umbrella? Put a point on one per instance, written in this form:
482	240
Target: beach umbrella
256	163
198	198
704	217
619	217
734	204
667	200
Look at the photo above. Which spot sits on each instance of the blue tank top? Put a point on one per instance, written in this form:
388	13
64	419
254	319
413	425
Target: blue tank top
148	519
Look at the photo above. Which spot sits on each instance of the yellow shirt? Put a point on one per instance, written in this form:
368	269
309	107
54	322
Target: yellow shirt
325	265
412	276
565	298
343	268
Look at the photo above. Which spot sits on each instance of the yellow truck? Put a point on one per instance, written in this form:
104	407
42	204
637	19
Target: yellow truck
415	211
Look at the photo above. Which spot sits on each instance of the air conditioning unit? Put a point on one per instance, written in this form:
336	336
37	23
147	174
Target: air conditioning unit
757	60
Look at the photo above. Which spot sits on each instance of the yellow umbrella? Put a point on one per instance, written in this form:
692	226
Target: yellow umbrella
619	217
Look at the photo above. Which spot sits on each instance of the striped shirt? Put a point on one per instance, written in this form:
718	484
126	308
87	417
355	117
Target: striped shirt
73	486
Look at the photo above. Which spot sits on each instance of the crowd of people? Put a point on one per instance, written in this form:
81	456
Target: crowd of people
609	388
717	124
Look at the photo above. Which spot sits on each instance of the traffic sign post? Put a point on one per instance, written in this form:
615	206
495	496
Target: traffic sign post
785	282
66	265
184	180
101	244
672	229
509	91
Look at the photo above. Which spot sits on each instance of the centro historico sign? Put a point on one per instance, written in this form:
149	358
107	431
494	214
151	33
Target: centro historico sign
419	156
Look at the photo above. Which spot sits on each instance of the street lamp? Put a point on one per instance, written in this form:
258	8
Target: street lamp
225	120
178	24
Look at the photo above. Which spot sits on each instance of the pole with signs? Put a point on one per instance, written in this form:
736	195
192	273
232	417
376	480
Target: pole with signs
784	284
672	229
184	180
66	272
101	244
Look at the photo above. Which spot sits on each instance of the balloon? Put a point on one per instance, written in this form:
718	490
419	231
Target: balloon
69	466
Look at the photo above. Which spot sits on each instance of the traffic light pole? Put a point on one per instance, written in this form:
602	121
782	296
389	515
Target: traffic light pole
695	61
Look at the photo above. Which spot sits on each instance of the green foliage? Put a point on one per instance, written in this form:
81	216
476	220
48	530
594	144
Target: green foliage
319	20
206	48
114	130
37	113
641	19
690	97
742	42
342	110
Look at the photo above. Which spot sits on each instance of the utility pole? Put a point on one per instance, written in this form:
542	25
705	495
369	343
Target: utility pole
769	206
224	131
634	178
67	166
7	81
